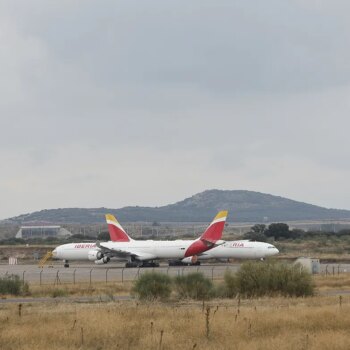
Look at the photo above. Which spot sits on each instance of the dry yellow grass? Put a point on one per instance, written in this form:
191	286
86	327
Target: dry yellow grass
329	282
326	248
280	323
82	289
322	283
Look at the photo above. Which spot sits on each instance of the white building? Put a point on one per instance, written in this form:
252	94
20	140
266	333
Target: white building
27	232
309	264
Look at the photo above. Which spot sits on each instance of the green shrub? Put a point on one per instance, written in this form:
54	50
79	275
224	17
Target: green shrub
12	284
59	293
153	285
194	286
298	282
255	279
231	286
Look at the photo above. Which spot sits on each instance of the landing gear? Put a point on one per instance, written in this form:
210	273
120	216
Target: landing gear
66	263
142	264
149	264
180	263
131	264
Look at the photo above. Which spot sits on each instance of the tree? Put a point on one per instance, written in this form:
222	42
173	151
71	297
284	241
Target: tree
256	233
255	236
297	233
103	236
278	230
259	228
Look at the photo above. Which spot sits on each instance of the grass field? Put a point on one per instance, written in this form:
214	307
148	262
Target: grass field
95	289
319	322
331	248
279	323
322	283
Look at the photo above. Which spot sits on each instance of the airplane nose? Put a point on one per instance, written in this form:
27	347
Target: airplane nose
272	250
55	253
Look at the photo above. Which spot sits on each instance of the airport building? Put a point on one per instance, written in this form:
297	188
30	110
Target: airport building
28	232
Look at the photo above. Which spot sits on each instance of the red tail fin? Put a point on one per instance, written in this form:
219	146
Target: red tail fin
210	237
214	231
116	231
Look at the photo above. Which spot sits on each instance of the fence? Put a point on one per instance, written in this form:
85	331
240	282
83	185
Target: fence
87	275
332	269
108	275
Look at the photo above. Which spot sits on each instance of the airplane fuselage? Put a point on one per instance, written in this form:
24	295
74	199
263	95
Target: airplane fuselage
149	249
240	250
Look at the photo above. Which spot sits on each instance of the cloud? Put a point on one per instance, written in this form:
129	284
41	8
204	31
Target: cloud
120	103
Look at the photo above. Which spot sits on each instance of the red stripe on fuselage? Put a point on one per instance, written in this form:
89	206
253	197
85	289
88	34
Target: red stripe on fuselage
195	248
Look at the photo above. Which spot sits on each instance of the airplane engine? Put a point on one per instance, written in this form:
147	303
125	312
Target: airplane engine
190	260
103	260
95	255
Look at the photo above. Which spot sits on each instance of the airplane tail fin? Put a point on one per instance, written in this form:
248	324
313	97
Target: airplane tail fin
214	231
116	231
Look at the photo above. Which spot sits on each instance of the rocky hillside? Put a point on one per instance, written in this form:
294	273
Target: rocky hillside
243	206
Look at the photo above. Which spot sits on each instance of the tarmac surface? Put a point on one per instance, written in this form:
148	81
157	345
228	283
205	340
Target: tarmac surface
116	272
113	272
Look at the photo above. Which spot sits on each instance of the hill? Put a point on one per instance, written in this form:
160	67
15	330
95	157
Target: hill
243	206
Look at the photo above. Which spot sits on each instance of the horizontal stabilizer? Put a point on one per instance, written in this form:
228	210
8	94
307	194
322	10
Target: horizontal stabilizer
212	244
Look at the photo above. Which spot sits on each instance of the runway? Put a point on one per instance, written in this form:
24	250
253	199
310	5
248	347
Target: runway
116	272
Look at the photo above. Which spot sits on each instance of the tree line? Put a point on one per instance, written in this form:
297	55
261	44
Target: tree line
278	231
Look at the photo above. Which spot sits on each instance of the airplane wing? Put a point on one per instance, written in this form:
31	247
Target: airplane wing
124	253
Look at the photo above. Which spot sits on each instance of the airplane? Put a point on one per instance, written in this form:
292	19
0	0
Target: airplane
243	249
141	253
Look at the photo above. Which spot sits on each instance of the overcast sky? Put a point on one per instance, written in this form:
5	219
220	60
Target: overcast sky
115	103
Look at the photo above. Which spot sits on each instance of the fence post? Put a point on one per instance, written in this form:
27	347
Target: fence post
40	275
167	270
57	280
90	276
23	277
74	276
197	268
333	270
182	271
138	273
123	274
106	275
338	269
212	273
